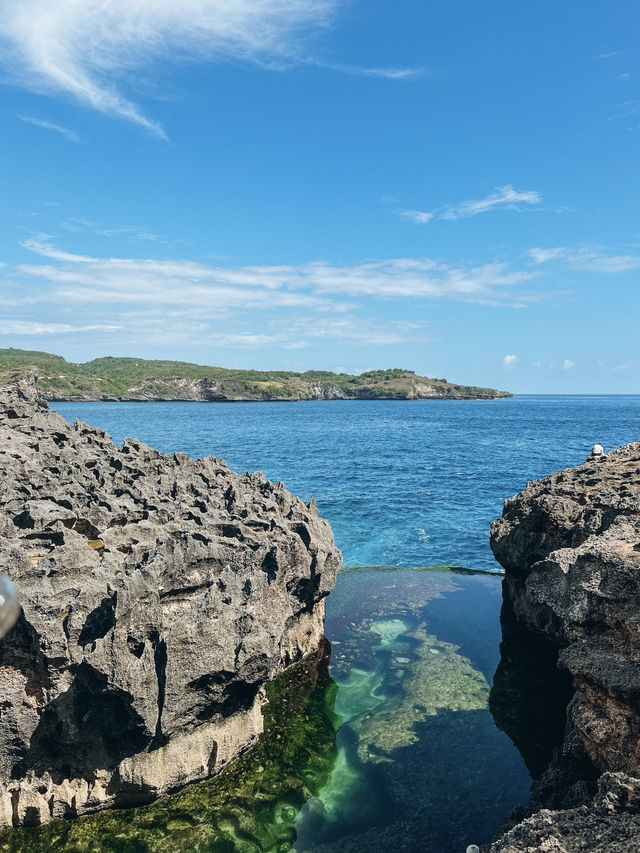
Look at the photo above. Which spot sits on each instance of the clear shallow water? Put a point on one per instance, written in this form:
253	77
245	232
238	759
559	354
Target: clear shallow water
421	766
403	483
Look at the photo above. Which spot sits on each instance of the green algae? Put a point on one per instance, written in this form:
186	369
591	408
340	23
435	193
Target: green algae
437	679
389	630
250	808
358	694
413	677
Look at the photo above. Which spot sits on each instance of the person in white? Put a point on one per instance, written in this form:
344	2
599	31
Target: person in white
597	451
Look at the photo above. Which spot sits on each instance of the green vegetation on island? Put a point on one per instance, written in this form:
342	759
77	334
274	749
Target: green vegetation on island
140	379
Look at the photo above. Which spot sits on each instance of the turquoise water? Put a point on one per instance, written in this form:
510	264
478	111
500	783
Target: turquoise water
421	766
413	483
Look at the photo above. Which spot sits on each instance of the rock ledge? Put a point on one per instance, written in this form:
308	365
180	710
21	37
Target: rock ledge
159	595
570	546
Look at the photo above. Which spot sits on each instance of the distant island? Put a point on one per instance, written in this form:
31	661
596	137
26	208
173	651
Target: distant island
141	380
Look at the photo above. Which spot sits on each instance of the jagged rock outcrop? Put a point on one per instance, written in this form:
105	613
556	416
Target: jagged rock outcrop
570	546
159	595
607	823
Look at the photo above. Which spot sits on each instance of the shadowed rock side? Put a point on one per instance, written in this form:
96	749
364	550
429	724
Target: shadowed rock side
253	805
159	595
568	686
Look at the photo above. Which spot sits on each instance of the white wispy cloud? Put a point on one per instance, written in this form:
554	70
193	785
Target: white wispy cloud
317	284
287	332
91	49
21	327
250	340
417	278
128	232
567	364
587	259
507	198
383	73
509	361
626	110
86	49
609	54
250	307
355	329
420	217
49	125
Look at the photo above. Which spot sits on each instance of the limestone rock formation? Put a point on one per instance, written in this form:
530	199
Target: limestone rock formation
607	823
570	545
159	595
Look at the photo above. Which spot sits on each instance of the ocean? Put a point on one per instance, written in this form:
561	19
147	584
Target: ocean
403	483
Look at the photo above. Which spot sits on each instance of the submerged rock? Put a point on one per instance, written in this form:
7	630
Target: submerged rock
159	595
570	545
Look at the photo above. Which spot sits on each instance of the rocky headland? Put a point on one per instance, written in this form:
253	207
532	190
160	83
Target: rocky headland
159	595
568	686
141	380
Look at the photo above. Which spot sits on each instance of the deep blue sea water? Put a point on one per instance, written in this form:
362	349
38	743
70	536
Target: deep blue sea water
413	483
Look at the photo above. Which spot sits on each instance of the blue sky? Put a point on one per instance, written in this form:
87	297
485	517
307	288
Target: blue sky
295	184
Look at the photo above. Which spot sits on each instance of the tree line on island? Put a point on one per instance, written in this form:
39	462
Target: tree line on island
136	379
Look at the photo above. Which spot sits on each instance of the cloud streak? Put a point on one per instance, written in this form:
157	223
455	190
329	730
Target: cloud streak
21	327
586	259
129	232
87	49
49	125
319	284
383	73
507	198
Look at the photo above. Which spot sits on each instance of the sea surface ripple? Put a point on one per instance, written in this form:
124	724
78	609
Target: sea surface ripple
404	483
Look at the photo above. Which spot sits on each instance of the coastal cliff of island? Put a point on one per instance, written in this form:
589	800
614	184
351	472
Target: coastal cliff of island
568	686
139	380
159	595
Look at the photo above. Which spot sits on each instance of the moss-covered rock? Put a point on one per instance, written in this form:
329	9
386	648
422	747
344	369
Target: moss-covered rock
250	808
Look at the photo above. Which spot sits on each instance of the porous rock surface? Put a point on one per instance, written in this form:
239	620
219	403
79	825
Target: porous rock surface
159	595
570	546
608	823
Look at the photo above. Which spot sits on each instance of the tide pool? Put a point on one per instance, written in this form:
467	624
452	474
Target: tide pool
390	745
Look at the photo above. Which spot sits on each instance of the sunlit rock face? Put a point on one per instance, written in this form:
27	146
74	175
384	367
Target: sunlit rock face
159	595
570	545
